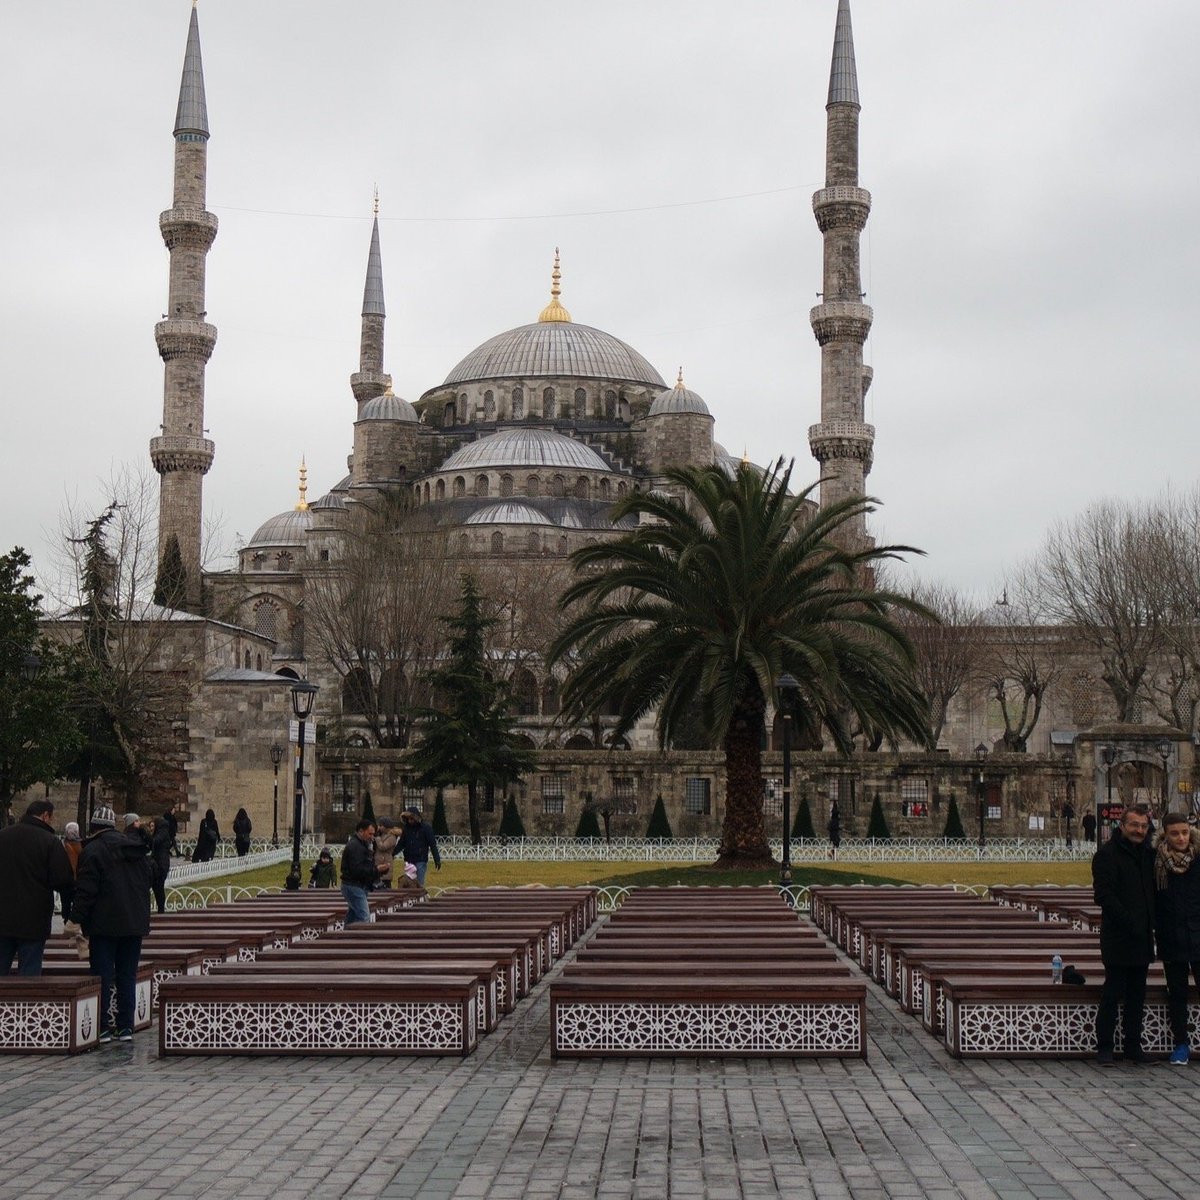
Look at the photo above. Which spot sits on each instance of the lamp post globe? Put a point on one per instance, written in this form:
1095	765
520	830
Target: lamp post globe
303	696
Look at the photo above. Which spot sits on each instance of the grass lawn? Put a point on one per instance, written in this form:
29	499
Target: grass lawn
634	874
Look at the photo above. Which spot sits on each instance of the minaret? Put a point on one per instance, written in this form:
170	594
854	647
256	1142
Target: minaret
842	443
182	455
369	380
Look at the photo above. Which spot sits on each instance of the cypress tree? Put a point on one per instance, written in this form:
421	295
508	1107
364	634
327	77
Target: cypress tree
170	585
368	811
877	827
659	826
511	825
589	824
802	826
954	825
441	827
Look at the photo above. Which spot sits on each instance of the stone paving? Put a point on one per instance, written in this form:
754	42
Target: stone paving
510	1123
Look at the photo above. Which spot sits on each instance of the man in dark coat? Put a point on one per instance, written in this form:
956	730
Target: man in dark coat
33	866
418	842
172	823
160	853
112	904
359	872
1177	921
1123	886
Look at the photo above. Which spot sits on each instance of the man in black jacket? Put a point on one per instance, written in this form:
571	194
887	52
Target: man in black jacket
1123	886
112	904
33	866
417	841
359	871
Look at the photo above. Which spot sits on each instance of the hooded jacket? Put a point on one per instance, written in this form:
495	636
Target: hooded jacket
33	866
1177	912
112	892
1123	886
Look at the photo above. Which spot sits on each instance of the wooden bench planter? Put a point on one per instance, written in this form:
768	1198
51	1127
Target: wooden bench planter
376	1014
49	1015
711	1016
143	1007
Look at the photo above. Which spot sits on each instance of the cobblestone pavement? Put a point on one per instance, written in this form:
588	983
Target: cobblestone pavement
510	1123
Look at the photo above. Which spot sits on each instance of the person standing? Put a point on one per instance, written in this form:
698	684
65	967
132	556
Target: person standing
172	823
207	838
242	828
1068	815
1123	886
418	842
359	872
385	850
161	841
112	905
73	845
1089	826
834	829
1177	921
33	866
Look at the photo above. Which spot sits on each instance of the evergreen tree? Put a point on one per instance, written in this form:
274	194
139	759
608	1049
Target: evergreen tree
170	586
468	739
877	827
589	824
802	826
441	827
368	810
660	826
511	825
954	826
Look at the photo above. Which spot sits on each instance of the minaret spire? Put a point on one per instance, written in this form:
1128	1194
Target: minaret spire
182	455
370	380
842	443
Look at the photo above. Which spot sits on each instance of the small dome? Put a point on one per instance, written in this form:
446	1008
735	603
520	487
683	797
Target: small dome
330	500
509	512
678	400
526	448
388	407
286	529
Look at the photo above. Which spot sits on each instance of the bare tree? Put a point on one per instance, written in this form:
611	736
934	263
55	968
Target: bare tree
373	611
1098	575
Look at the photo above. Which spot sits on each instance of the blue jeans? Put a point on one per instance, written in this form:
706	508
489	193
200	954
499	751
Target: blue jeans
27	951
422	867
115	960
356	903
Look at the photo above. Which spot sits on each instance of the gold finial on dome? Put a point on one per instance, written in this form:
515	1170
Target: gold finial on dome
302	503
745	456
555	311
376	204
679	378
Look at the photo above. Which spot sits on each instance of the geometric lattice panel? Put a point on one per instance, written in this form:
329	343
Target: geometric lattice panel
35	1024
708	1028
224	1026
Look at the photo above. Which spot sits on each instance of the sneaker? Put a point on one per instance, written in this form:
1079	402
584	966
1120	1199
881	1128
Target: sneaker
105	1036
125	1035
1104	1058
1179	1057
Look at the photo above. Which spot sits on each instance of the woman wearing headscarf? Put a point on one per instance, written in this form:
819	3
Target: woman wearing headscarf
207	838
73	845
241	832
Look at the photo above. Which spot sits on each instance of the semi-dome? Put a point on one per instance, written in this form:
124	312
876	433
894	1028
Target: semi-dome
285	529
388	407
508	512
555	348
526	448
678	399
330	500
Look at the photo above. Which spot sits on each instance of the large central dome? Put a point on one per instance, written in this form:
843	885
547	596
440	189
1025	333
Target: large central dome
555	348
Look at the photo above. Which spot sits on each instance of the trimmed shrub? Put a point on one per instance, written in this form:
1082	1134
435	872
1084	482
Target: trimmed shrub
802	826
659	826
368	811
877	827
954	826
441	827
511	825
589	824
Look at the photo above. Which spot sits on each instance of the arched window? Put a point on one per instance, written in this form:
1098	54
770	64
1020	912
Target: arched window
562	544
427	493
577	742
440	490
448	415
525	694
460	486
580	404
604	489
581	488
550	704
356	691
481	485
534	541
283	561
497	542
247	660
620	489
258	662
610	405
558	486
462	408
489	406
464	544
518	403
506	485
533	486
548	404
266	620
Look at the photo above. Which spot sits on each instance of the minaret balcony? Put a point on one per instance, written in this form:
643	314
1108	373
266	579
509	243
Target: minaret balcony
366	385
842	321
841	208
185	338
181	452
842	439
189	228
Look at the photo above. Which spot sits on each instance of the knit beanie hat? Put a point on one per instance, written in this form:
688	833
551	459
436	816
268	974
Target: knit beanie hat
103	818
130	818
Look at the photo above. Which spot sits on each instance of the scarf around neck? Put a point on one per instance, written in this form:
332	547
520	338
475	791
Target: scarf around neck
1169	862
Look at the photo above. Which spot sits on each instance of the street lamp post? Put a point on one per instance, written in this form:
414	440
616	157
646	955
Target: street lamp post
1109	755
1068	810
981	753
276	759
303	696
1164	752
788	686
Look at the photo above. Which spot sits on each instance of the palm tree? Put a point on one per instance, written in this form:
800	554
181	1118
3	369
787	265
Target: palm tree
712	598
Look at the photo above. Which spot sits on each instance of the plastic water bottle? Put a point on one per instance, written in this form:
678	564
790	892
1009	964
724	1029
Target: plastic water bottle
1056	969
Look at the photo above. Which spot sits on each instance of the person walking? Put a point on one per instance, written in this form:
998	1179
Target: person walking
112	906
1177	921
834	829
359	872
33	866
418	842
385	850
242	828
1123	886
1068	816
324	871
172	823
161	841
207	839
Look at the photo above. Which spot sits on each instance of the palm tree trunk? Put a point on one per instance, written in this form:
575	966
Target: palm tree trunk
743	836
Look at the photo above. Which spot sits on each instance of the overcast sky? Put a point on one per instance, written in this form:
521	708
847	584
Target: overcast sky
1031	256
